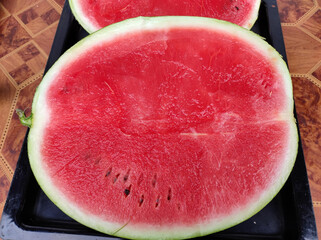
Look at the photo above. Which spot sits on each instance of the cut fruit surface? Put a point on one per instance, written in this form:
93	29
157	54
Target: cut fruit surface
94	15
164	127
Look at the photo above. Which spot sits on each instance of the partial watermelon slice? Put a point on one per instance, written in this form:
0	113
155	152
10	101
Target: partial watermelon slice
164	127
96	14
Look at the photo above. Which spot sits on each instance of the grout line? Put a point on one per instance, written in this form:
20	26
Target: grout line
298	75
316	203
13	82
7	125
55	6
314	80
6	12
30	80
315	3
288	24
6	169
23	25
311	78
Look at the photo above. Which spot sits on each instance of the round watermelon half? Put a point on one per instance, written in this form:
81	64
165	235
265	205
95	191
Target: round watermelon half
164	128
94	15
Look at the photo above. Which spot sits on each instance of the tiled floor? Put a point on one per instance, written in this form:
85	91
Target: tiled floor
301	24
27	28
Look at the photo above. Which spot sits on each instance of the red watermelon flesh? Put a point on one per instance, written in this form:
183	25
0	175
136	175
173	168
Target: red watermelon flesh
168	128
93	14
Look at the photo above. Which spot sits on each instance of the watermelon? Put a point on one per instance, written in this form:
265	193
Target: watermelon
96	14
164	128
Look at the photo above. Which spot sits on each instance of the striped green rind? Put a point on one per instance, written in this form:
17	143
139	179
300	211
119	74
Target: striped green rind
41	118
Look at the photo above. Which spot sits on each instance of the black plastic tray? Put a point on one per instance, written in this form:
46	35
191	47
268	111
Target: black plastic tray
28	214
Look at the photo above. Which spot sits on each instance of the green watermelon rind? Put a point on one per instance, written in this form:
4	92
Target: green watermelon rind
41	118
90	27
82	19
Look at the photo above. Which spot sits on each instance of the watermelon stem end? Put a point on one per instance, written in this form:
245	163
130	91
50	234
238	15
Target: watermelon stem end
26	121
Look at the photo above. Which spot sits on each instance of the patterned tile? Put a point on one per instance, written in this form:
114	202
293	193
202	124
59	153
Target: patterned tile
28	15
21	73
313	24
7	94
39	16
299	45
291	10
16	133
45	39
308	104
34	59
12	35
24	63
28	52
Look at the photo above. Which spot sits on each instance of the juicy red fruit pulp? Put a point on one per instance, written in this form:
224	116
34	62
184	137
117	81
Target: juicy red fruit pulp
103	13
166	127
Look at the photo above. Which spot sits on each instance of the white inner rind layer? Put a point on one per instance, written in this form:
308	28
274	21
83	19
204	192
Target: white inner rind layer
41	119
253	15
90	26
